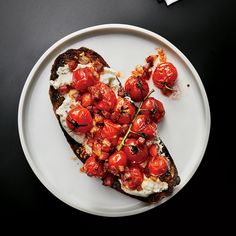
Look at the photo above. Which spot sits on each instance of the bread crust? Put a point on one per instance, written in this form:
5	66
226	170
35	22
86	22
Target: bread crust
78	55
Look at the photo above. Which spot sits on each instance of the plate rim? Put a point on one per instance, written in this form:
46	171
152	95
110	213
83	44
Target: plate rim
90	29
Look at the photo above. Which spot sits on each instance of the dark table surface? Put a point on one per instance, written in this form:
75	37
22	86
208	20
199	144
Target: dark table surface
204	30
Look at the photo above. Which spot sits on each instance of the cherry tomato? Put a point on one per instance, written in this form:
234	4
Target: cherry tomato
132	178
157	165
79	120
111	131
82	79
93	167
144	127
103	96
124	111
86	100
63	89
117	162
136	88
153	150
153	109
165	75
135	153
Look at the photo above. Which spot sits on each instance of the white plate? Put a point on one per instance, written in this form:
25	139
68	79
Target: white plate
185	129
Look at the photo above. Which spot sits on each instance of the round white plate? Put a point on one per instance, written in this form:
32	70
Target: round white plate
185	129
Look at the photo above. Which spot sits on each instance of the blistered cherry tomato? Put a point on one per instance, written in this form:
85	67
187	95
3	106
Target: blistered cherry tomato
86	100
132	178
117	162
103	96
82	79
136	88
135	153
124	111
153	150
153	108
93	167
165	75
144	127
111	131
79	120
157	165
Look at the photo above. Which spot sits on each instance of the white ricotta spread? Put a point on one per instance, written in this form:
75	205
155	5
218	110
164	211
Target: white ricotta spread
62	112
148	187
107	76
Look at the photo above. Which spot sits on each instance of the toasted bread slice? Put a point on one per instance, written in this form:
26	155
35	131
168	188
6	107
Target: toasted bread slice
85	56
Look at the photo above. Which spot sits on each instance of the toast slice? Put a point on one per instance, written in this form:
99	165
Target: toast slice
84	57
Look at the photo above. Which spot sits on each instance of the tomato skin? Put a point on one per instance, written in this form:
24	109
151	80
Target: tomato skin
132	178
79	120
157	166
143	126
103	96
124	111
153	109
135	153
164	75
136	88
86	100
93	168
117	162
153	150
111	131
63	89
83	78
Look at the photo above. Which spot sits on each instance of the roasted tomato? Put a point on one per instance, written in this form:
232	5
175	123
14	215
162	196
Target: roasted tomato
142	126
72	64
63	89
136	88
165	76
117	162
153	108
86	100
132	178
93	167
135	152
153	150
82	79
79	120
157	166
111	132
124	111
103	96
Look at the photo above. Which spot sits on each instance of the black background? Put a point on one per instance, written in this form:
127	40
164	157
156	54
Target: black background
204	30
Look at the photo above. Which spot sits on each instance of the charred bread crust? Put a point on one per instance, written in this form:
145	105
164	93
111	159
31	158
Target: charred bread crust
78	55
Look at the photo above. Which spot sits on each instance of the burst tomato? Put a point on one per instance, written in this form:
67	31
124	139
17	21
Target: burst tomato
79	120
136	88
93	167
86	100
153	108
132	178
111	132
165	75
142	126
135	153
124	111
82	79
157	166
117	162
103	96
